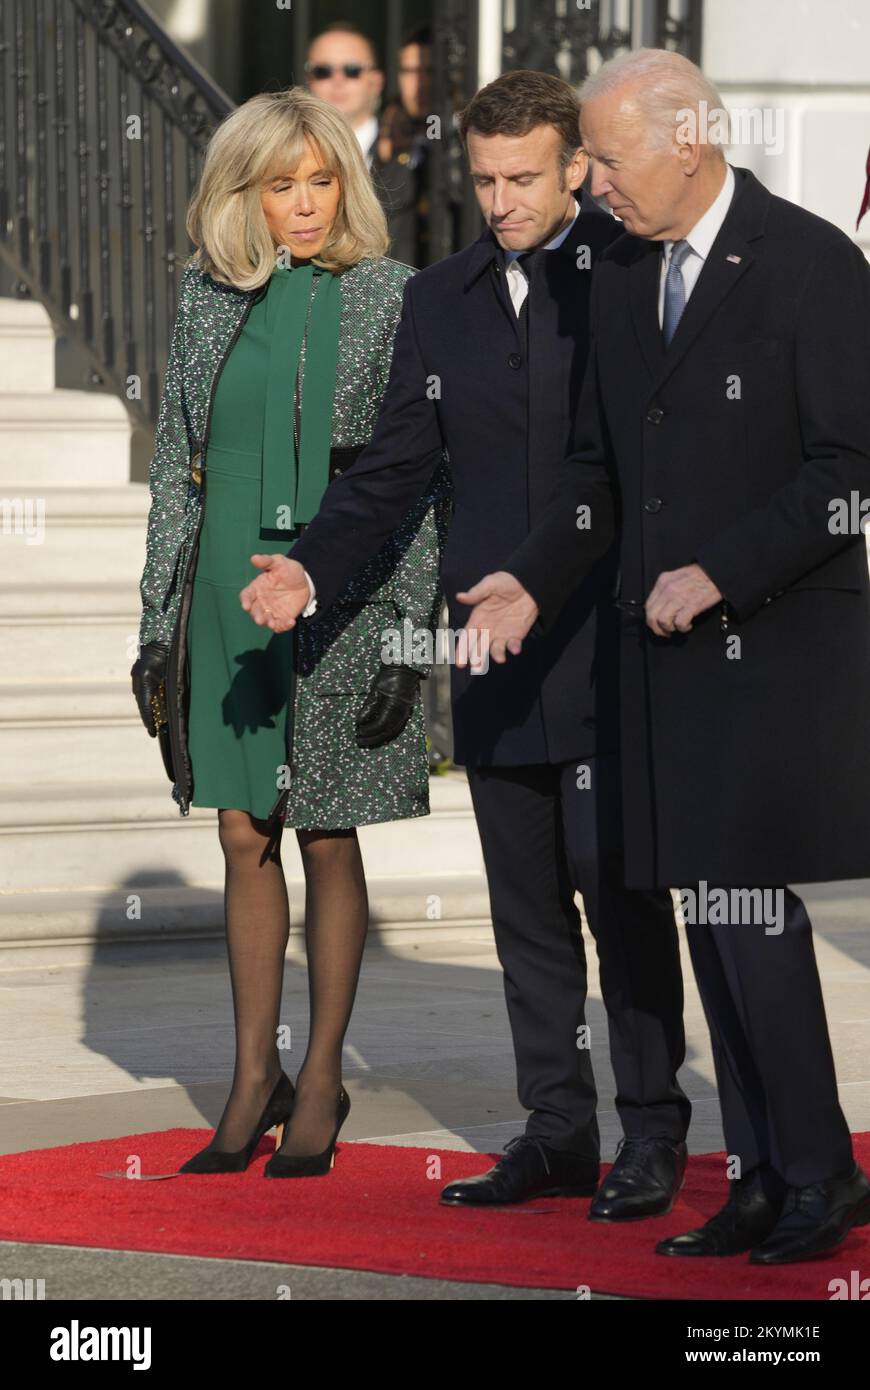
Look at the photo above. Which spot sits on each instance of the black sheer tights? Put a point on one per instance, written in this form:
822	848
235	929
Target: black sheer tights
258	921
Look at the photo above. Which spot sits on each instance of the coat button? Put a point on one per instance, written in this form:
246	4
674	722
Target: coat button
515	360
195	470
653	504
656	415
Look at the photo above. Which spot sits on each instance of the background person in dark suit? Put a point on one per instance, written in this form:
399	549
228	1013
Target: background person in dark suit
727	402
488	362
402	149
342	68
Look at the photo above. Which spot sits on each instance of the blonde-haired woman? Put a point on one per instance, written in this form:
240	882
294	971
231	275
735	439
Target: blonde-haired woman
279	359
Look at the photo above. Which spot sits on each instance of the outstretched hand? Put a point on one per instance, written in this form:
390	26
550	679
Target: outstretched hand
502	615
277	596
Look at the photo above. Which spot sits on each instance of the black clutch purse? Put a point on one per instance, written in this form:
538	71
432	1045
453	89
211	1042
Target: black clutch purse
161	723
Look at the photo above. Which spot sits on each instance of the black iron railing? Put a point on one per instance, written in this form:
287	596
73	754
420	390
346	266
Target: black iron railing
563	37
103	121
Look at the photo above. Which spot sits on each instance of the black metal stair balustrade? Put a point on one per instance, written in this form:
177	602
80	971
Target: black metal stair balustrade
93	93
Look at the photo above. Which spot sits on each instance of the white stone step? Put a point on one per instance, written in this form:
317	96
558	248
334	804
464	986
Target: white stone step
91	506
109	835
26	346
65	752
57	552
64	438
74	599
57	534
23	702
64	919
41	648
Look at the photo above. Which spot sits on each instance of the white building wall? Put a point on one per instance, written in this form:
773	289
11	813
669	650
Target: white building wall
809	64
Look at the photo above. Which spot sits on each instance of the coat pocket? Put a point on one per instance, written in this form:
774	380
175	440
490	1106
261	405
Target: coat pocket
342	652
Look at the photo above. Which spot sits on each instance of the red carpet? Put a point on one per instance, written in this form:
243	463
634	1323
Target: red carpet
378	1210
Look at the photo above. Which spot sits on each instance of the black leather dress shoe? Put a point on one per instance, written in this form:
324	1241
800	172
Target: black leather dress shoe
816	1218
750	1214
530	1168
644	1180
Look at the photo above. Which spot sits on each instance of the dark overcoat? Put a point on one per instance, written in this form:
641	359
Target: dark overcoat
746	742
462	377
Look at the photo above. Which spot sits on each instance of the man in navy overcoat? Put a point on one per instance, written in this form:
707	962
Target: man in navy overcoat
488	363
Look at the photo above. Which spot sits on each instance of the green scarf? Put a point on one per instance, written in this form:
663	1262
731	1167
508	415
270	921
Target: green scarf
291	495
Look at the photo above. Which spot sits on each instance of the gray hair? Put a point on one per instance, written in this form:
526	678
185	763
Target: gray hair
664	84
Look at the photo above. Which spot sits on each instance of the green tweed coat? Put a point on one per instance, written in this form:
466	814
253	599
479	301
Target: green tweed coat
334	783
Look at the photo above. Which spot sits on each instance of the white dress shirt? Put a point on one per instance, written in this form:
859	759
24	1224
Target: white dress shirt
518	283
311	605
367	134
700	239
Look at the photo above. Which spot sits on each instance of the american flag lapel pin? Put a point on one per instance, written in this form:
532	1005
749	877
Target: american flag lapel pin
735	260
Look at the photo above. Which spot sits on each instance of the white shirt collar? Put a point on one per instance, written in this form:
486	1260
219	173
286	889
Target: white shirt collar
557	240
706	229
366	134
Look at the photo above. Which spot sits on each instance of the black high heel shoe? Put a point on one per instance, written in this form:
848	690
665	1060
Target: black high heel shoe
277	1111
309	1165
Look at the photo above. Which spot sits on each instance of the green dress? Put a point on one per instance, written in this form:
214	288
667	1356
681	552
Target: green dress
241	675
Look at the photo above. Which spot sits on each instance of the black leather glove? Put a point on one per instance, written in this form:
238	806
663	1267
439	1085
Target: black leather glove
147	674
388	706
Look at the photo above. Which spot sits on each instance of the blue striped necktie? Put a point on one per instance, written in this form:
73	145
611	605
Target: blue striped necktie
675	290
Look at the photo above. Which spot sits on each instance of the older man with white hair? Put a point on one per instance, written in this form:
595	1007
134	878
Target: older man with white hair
726	401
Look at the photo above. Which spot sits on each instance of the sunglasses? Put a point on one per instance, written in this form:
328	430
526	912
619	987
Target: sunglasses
322	71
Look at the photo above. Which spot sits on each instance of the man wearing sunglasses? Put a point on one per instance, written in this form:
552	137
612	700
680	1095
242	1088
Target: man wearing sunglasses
342	69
